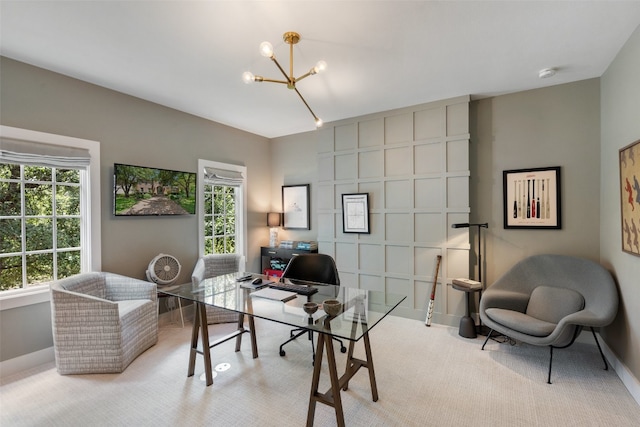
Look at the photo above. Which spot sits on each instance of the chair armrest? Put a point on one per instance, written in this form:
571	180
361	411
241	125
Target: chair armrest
91	308
120	288
584	318
198	273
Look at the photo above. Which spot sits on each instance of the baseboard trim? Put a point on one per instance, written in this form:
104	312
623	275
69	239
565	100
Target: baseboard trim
27	361
628	379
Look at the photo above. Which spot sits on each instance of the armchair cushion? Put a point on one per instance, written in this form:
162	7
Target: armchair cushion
552	304
546	308
521	322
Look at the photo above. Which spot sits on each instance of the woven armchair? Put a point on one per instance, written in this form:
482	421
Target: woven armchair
211	266
102	322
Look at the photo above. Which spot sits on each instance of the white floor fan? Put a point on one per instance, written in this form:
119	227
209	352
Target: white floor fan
163	270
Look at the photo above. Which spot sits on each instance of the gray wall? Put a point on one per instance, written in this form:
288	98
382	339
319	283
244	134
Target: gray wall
132	131
620	113
554	126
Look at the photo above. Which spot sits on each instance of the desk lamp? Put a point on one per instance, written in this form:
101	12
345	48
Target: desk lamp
273	221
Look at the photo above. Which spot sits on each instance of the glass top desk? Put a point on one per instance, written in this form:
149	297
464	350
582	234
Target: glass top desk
361	310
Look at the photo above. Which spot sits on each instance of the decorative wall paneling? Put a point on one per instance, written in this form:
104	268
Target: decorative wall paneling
414	163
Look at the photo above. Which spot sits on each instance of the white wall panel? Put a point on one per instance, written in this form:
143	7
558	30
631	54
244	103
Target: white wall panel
370	164
371	133
345	166
414	164
429	193
371	258
398	128
430	123
397	194
398	227
398	161
427	158
346	137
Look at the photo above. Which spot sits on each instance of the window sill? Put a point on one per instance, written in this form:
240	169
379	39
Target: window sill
24	297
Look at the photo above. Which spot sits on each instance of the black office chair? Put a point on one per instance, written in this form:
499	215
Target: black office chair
310	269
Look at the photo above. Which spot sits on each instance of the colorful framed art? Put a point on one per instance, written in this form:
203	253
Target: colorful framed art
532	198
630	197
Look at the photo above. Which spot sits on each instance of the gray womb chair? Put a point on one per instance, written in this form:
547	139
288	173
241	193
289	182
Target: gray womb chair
102	322
310	269
211	266
546	300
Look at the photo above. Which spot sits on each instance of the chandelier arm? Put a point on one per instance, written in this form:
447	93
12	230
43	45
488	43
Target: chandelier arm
305	75
264	79
307	105
289	81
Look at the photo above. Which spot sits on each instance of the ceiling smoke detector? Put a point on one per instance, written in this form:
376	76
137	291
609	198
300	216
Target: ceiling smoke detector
546	73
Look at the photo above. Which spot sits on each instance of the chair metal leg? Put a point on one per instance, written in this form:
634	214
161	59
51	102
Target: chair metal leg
293	337
301	332
487	339
550	362
606	366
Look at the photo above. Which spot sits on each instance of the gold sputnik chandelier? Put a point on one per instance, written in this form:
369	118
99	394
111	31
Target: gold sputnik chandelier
266	49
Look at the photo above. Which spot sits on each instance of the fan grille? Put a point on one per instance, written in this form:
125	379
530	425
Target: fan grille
165	268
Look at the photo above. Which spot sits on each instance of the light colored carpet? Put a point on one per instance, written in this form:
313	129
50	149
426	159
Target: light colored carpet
426	377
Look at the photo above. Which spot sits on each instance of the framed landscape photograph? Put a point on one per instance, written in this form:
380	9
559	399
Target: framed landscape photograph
295	206
355	213
630	197
532	198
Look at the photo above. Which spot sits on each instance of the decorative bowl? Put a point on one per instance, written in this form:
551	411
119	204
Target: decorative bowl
332	307
310	307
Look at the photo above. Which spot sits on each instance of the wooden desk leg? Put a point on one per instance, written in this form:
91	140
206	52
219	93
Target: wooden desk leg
254	341
206	350
332	398
354	364
252	330
372	374
194	341
240	328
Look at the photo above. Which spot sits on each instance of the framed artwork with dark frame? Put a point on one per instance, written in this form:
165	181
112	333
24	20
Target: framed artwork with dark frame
630	197
355	213
532	198
295	206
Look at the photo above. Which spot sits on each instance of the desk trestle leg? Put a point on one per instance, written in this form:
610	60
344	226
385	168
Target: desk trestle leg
332	396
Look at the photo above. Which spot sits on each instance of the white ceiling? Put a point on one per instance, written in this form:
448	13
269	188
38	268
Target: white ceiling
190	55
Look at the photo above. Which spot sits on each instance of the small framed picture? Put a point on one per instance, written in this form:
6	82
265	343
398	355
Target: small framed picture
295	206
630	197
532	198
355	213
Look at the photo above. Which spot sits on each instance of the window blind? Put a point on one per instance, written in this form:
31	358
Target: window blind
37	154
223	176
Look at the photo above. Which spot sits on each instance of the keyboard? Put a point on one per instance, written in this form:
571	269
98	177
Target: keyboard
298	289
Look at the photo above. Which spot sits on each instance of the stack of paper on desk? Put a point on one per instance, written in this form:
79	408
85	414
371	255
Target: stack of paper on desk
275	294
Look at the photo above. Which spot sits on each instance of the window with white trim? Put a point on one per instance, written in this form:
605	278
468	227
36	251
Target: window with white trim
221	211
47	230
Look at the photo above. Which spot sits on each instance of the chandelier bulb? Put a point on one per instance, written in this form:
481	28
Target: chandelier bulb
266	49
319	122
320	67
248	77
